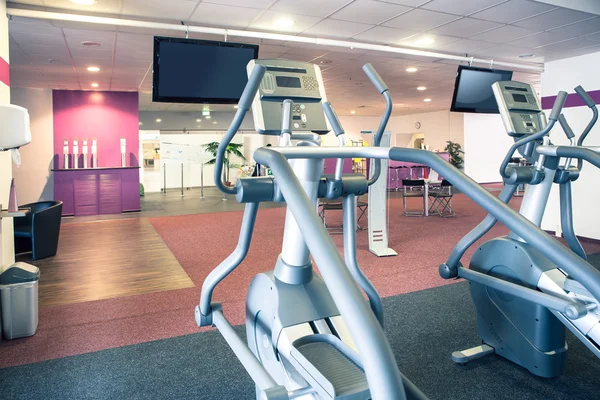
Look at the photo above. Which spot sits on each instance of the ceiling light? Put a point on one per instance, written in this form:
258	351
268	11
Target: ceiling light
88	43
95	84
421	88
527	55
158	120
199	120
207	117
352	112
214	122
411	69
427	100
140	123
426	41
284	23
93	69
84	2
325	62
236	107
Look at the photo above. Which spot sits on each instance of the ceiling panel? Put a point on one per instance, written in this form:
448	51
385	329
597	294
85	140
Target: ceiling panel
427	41
539	39
267	22
242	3
512	11
579	28
553	19
315	8
382	34
104	6
178	10
336	29
465	27
223	15
504	34
463	7
369	11
465	46
419	20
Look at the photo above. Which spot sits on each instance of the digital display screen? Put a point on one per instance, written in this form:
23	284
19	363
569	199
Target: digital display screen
200	71
520	98
528	124
288	81
473	89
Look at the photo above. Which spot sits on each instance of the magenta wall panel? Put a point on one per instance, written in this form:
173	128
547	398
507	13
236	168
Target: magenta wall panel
130	189
107	116
109	192
86	193
64	191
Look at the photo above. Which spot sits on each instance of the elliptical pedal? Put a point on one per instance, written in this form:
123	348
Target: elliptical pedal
331	367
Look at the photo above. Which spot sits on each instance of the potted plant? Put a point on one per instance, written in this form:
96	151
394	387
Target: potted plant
233	149
455	154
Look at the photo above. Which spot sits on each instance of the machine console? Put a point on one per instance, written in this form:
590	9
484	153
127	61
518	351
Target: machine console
298	81
519	107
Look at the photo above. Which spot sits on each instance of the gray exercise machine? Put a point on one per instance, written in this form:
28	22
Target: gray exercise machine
524	298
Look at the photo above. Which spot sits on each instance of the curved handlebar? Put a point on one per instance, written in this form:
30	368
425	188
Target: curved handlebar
565	126
592	105
383	89
585	97
333	119
558	105
243	106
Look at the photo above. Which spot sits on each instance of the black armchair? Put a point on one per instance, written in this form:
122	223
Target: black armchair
38	231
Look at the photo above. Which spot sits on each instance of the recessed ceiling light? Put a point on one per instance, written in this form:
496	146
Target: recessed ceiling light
95	84
214	122
84	2
284	22
352	112
426	41
88	43
528	55
207	116
411	69
158	120
93	69
325	62
199	120
427	100
421	88
140	123
236	107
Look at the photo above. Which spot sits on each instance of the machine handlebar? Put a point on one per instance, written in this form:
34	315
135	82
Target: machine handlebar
558	105
375	78
585	97
566	127
333	119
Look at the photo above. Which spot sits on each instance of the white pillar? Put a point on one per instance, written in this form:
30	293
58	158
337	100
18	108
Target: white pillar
7	251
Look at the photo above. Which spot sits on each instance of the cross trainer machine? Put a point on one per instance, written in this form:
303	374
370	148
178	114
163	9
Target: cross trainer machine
310	337
524	299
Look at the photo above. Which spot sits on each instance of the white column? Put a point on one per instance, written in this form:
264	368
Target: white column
7	251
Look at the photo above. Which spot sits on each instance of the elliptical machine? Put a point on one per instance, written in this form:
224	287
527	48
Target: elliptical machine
524	300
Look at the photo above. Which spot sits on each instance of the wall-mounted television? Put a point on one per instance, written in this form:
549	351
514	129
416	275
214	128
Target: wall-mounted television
473	89
200	71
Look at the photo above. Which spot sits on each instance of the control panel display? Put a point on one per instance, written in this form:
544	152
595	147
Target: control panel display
520	98
519	108
288	81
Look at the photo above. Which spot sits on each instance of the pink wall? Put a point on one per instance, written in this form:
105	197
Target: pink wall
107	116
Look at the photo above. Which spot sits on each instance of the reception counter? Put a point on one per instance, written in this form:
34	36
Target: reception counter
93	191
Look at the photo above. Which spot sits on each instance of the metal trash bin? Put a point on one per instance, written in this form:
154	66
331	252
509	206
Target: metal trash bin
19	300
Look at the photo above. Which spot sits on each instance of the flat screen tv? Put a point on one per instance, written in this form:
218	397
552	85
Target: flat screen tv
200	71
473	89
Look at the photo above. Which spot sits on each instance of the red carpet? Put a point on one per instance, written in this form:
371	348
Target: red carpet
202	241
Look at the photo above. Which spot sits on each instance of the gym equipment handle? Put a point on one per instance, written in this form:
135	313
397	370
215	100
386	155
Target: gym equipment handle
585	97
252	87
286	117
566	127
558	105
333	119
375	78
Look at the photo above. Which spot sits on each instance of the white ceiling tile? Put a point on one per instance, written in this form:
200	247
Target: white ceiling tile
333	28
242	3
267	22
501	51
382	34
89	34
513	10
539	39
315	8
420	20
462	7
465	27
41	29
410	3
369	11
504	34
226	16
465	46
553	19
427	41
579	28
177	10
595	36
568	45
35	39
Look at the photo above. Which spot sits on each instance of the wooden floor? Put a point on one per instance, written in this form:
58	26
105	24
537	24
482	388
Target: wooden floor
107	259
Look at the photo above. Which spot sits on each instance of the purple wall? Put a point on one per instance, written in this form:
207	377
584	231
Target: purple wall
107	116
573	100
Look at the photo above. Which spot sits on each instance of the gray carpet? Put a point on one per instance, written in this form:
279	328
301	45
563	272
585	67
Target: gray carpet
423	328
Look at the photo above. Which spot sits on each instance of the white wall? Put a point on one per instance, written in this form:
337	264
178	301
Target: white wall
566	75
486	145
7	251
33	179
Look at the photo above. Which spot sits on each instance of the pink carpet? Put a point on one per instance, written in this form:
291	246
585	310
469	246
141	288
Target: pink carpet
202	241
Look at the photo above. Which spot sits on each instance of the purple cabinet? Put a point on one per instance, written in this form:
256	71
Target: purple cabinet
97	190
